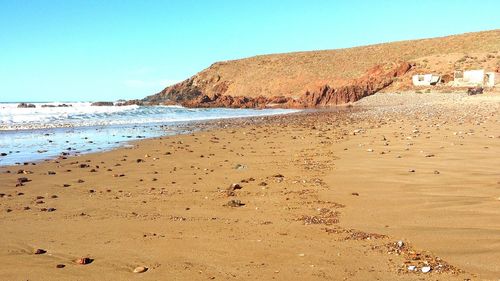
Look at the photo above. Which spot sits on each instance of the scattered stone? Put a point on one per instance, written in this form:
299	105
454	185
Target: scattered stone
325	216
355	194
400	244
60	265
234	203
231	189
39	252
140	269
239	166
84	261
51	173
426	269
247	180
411	171
22	180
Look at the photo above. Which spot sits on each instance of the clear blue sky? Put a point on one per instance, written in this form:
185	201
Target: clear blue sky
66	50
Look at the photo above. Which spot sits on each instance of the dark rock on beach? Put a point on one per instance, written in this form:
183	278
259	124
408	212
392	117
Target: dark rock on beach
102	103
26	105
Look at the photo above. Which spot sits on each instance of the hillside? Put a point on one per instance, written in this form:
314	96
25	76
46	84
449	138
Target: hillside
321	78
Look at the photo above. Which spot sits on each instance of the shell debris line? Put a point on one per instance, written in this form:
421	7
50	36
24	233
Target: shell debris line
417	261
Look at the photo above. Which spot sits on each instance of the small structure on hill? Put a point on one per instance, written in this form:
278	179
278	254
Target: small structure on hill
474	78
425	79
469	77
489	79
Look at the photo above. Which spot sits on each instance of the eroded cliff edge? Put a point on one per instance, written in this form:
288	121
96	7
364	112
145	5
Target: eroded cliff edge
196	92
330	77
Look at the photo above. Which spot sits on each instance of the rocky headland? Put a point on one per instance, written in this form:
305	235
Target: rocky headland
330	77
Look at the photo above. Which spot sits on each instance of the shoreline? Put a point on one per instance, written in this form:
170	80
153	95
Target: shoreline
88	145
327	196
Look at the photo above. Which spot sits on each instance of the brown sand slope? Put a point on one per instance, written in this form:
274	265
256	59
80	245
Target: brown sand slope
293	74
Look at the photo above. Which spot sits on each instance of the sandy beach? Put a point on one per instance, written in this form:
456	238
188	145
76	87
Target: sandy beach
397	187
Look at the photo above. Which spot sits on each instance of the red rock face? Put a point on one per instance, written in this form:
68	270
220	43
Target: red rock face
188	94
373	81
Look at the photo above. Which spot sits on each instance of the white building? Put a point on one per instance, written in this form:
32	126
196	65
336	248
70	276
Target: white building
425	79
473	78
467	78
489	79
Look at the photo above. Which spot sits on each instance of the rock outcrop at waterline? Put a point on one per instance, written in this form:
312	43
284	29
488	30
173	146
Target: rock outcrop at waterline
26	105
189	93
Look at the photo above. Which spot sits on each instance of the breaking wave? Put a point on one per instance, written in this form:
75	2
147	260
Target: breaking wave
60	115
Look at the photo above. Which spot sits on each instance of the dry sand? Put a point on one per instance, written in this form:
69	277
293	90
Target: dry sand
327	196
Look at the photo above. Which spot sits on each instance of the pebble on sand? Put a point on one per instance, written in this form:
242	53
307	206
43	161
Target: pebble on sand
140	269
231	189
39	252
426	269
84	261
22	180
400	244
235	203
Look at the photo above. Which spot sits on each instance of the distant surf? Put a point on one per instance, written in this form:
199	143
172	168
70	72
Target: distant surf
52	129
83	114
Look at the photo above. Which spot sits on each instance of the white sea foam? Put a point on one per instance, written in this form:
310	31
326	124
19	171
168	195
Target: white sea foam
94	128
83	114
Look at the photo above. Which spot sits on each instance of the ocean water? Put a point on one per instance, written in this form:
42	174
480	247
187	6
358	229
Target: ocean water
46	131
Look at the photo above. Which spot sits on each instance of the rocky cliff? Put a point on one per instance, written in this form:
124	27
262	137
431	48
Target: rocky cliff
332	77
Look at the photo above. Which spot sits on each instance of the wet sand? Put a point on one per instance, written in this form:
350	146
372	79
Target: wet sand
363	195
